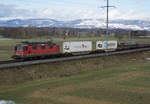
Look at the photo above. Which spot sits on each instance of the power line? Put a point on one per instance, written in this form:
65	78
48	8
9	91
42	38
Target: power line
107	18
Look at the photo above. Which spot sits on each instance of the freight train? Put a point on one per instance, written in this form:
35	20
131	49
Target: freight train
29	50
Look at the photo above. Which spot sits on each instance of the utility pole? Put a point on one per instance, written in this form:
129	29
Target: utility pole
107	25
107	18
107	21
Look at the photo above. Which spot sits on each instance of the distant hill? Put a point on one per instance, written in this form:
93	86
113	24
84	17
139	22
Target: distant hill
80	23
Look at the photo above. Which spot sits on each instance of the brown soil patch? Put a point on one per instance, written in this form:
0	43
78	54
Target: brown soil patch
108	83
77	100
128	76
51	91
105	81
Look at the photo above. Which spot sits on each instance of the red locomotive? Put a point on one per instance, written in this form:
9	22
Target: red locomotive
35	49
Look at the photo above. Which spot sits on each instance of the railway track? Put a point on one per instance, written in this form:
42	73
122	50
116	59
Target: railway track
14	63
5	62
9	61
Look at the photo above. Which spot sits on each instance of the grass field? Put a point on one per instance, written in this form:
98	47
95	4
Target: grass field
6	46
125	80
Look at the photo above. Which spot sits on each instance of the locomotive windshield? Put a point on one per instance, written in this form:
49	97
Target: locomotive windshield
19	48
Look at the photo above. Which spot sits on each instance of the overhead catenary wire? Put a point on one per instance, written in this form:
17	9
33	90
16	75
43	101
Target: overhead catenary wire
107	18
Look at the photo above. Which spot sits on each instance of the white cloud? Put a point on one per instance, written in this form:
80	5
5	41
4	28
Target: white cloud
45	13
12	12
128	15
70	14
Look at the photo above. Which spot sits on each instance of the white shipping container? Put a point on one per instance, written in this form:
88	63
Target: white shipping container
77	46
110	44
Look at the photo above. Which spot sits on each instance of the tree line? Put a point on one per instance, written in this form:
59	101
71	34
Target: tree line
32	32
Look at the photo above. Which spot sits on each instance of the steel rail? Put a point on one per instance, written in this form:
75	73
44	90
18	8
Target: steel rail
9	61
3	62
44	61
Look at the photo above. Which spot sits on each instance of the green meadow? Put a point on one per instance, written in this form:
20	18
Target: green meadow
122	79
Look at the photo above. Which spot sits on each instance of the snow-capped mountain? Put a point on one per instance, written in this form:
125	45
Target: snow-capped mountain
80	23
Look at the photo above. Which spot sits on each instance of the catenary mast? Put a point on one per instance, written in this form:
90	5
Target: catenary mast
107	19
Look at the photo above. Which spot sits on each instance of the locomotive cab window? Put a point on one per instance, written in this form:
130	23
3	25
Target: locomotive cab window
15	48
34	47
19	48
25	48
51	46
43	47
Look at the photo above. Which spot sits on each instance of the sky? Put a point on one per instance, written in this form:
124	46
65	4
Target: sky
66	10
